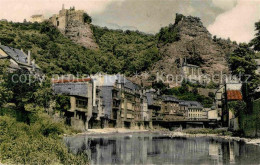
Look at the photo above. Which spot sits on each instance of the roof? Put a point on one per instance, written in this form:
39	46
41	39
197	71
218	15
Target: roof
149	98
71	80
110	80
234	95
73	89
16	54
107	100
191	104
167	98
190	65
37	15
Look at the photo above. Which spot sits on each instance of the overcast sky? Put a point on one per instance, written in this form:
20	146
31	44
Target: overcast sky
225	18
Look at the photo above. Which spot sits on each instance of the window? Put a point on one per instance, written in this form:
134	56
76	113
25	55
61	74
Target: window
81	103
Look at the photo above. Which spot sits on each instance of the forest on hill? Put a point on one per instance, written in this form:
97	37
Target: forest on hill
125	52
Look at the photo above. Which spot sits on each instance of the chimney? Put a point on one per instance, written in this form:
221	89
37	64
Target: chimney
29	58
33	65
63	6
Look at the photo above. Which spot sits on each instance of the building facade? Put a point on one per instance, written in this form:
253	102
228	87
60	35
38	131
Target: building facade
171	109
112	101
81	103
193	110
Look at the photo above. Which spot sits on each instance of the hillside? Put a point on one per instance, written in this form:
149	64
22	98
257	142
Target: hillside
132	51
124	52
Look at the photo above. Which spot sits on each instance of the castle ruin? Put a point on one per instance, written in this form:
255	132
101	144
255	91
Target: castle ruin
71	23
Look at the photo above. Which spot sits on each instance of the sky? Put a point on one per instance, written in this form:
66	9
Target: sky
232	19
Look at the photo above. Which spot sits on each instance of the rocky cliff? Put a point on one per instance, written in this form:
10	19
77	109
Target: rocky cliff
188	38
81	33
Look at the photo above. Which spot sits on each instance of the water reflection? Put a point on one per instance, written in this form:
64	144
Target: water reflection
157	149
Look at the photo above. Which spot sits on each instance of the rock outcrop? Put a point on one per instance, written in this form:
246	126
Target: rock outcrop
81	33
193	42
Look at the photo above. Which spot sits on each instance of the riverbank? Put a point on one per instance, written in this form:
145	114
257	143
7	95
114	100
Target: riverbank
214	136
108	131
172	134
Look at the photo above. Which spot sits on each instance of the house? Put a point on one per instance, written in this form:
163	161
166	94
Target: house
37	18
229	95
18	59
106	99
193	110
212	114
103	100
228	91
154	105
171	108
191	72
123	104
81	104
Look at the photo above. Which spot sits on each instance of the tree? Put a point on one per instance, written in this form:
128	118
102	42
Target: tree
5	94
242	65
256	41
87	18
237	107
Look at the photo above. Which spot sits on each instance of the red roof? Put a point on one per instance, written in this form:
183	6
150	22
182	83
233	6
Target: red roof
234	95
71	80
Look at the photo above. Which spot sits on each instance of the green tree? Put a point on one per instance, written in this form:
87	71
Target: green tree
87	18
5	93
256	41
243	65
237	107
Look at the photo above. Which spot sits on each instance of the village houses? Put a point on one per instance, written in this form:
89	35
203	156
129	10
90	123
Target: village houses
102	100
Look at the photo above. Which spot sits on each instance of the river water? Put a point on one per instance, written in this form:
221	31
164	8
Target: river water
148	148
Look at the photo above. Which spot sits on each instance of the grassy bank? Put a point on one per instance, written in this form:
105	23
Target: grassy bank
37	143
207	131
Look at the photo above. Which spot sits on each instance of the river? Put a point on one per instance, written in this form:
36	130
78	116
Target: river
150	148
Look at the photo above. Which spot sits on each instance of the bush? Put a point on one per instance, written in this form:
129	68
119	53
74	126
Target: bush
38	143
